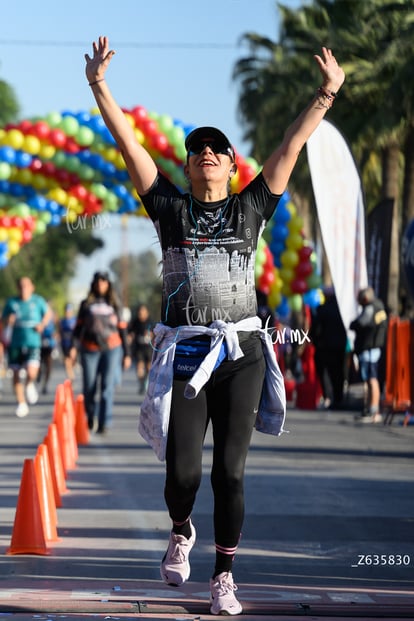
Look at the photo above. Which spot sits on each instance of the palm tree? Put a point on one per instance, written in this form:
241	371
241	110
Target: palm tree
374	40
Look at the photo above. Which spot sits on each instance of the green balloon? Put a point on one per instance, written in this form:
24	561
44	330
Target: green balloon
99	190
5	170
165	123
69	125
54	119
84	136
73	164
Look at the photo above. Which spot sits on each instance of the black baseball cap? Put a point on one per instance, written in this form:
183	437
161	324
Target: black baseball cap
207	134
100	276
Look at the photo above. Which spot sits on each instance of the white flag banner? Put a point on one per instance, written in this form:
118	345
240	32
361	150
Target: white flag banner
340	207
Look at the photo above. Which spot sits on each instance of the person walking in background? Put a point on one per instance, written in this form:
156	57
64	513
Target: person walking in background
25	317
101	339
140	333
66	326
47	349
370	328
328	335
211	355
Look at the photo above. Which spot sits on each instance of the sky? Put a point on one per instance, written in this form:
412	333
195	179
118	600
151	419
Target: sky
174	58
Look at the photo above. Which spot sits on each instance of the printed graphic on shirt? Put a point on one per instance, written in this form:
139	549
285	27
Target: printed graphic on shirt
209	253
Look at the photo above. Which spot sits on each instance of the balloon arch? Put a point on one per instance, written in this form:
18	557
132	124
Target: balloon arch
67	165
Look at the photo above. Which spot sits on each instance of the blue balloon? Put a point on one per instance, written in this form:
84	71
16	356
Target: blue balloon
23	159
283	310
312	298
282	214
279	232
407	255
7	154
277	247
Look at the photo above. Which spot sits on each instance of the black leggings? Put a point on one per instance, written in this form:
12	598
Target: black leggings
230	400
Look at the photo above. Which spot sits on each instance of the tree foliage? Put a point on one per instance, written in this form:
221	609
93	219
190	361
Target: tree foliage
9	108
49	261
374	41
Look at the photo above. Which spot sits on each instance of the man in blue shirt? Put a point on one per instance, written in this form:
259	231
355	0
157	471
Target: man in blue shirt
25	317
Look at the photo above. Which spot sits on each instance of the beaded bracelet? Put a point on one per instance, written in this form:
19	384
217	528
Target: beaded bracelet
324	98
96	82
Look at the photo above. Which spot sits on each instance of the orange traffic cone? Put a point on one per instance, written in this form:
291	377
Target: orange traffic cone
69	397
28	536
65	424
70	410
51	471
66	434
81	428
59	403
46	495
56	462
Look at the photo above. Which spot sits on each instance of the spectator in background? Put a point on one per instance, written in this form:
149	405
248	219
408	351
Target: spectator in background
329	338
140	332
102	342
25	316
370	328
48	345
66	327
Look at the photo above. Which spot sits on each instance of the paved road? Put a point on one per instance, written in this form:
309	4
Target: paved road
329	521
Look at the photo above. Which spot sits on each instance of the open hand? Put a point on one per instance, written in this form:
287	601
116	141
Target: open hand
98	64
333	75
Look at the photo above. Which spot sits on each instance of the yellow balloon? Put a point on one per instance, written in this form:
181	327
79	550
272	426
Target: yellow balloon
289	258
3	234
13	247
295	224
47	151
111	154
294	241
14	138
39	182
119	162
58	195
286	274
291	208
130	119
31	144
24	176
16	234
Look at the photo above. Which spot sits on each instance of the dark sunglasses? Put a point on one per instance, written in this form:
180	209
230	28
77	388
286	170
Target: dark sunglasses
217	147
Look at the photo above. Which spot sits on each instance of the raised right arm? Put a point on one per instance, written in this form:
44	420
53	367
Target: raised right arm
141	167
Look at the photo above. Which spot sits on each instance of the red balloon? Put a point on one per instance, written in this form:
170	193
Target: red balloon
71	146
41	130
149	128
58	138
305	252
36	165
25	126
298	285
48	169
139	115
63	176
79	192
159	142
304	269
5	221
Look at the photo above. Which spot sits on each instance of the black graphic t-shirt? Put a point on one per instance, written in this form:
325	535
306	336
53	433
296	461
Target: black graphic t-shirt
208	251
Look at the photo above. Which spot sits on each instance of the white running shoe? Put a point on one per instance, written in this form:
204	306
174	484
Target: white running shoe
175	567
31	393
22	410
223	601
